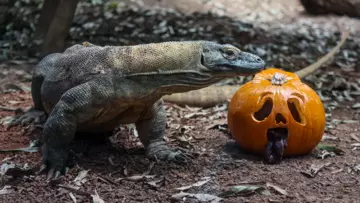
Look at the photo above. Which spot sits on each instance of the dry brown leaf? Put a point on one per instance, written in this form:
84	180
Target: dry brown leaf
278	189
216	123
80	178
6	190
136	177
96	198
157	183
72	196
356	138
197	184
314	170
199	196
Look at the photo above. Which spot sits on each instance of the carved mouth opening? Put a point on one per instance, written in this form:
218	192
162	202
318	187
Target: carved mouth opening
264	111
276	134
276	145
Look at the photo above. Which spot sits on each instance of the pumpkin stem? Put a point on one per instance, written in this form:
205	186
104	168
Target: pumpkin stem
278	79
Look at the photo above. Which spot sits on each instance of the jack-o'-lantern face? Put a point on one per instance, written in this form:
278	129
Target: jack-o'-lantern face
276	99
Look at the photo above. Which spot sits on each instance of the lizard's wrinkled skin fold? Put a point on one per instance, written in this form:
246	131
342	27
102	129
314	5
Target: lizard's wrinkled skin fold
90	88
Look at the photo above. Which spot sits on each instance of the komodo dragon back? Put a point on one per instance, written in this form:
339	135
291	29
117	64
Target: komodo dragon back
214	95
166	56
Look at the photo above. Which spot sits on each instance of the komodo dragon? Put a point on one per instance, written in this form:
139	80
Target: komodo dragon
214	95
89	88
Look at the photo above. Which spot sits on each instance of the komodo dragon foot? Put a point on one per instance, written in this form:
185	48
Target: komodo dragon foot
151	133
54	162
33	115
160	152
277	143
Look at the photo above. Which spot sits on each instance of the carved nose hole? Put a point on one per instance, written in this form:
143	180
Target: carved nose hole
279	118
264	111
295	111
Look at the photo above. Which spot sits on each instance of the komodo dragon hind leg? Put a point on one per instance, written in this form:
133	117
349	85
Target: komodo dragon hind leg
151	133
77	105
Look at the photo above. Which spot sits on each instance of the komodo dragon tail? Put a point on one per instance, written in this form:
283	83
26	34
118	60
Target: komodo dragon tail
213	95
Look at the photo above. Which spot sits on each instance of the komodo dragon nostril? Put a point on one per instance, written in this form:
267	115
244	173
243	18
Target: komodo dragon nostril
258	59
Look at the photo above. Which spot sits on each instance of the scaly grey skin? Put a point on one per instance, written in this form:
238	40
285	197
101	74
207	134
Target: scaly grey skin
95	89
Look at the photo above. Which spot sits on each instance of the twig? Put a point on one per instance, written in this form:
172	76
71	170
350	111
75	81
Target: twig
105	179
5	108
78	192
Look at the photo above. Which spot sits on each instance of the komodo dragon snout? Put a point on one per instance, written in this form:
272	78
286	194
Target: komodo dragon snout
229	60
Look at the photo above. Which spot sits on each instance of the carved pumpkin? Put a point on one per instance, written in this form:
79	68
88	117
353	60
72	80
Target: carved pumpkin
276	99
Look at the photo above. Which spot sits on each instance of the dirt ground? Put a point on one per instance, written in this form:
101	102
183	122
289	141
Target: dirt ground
119	172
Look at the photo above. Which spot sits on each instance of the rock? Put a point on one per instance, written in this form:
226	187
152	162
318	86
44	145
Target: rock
343	7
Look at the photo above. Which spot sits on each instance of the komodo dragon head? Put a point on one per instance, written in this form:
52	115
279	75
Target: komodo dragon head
227	60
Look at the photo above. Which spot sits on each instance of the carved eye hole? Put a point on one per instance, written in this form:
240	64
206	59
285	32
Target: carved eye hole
295	111
264	111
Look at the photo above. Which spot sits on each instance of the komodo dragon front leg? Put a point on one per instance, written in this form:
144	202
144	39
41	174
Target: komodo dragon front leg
77	105
151	133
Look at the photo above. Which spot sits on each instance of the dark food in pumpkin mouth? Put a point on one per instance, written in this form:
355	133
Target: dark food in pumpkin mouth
277	143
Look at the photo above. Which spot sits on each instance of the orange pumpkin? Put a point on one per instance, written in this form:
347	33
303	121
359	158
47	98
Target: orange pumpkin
276	99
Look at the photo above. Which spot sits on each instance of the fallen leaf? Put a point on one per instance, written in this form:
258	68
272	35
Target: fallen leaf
201	197
216	123
328	137
353	136
74	190
356	106
14	102
73	198
274	201
197	184
5	167
331	148
151	166
19	172
5	108
107	180
6	190
155	183
337	171
278	189
355	144
136	177
7	120
350	121
314	170
192	115
80	177
245	190
96	198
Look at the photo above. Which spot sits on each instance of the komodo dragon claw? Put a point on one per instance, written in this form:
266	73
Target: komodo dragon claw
54	162
160	152
52	173
32	115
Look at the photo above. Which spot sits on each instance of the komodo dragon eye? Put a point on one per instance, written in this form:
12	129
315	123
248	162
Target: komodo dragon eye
228	53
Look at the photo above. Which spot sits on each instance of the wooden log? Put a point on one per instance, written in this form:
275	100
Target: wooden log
340	7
